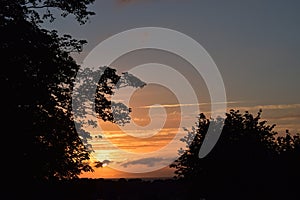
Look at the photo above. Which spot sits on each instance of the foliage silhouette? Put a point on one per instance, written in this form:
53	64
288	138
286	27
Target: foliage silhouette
250	160
36	11
37	80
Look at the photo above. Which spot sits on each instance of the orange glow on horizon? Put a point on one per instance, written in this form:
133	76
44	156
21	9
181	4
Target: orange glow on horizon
139	102
108	172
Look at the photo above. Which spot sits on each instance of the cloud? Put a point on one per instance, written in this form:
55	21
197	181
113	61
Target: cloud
150	162
106	161
123	2
187	104
102	164
286	117
271	107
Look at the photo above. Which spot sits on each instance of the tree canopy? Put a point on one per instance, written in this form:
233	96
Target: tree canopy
36	11
38	78
249	161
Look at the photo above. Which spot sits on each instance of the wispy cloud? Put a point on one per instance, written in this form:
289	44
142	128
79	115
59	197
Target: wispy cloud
150	162
270	107
187	104
292	116
124	2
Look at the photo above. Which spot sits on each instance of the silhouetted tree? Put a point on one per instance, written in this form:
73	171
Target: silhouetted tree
288	164
249	160
37	78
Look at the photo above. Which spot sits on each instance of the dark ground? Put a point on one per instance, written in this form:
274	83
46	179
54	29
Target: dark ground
136	189
106	189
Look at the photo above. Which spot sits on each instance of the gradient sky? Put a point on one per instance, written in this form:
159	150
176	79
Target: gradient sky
255	45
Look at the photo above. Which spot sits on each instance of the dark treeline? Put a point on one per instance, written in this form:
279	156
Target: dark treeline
249	161
106	189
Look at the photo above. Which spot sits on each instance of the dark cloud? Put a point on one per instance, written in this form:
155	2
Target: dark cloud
100	164
150	162
106	161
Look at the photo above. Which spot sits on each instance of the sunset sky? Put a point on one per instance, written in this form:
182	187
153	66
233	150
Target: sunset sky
255	45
